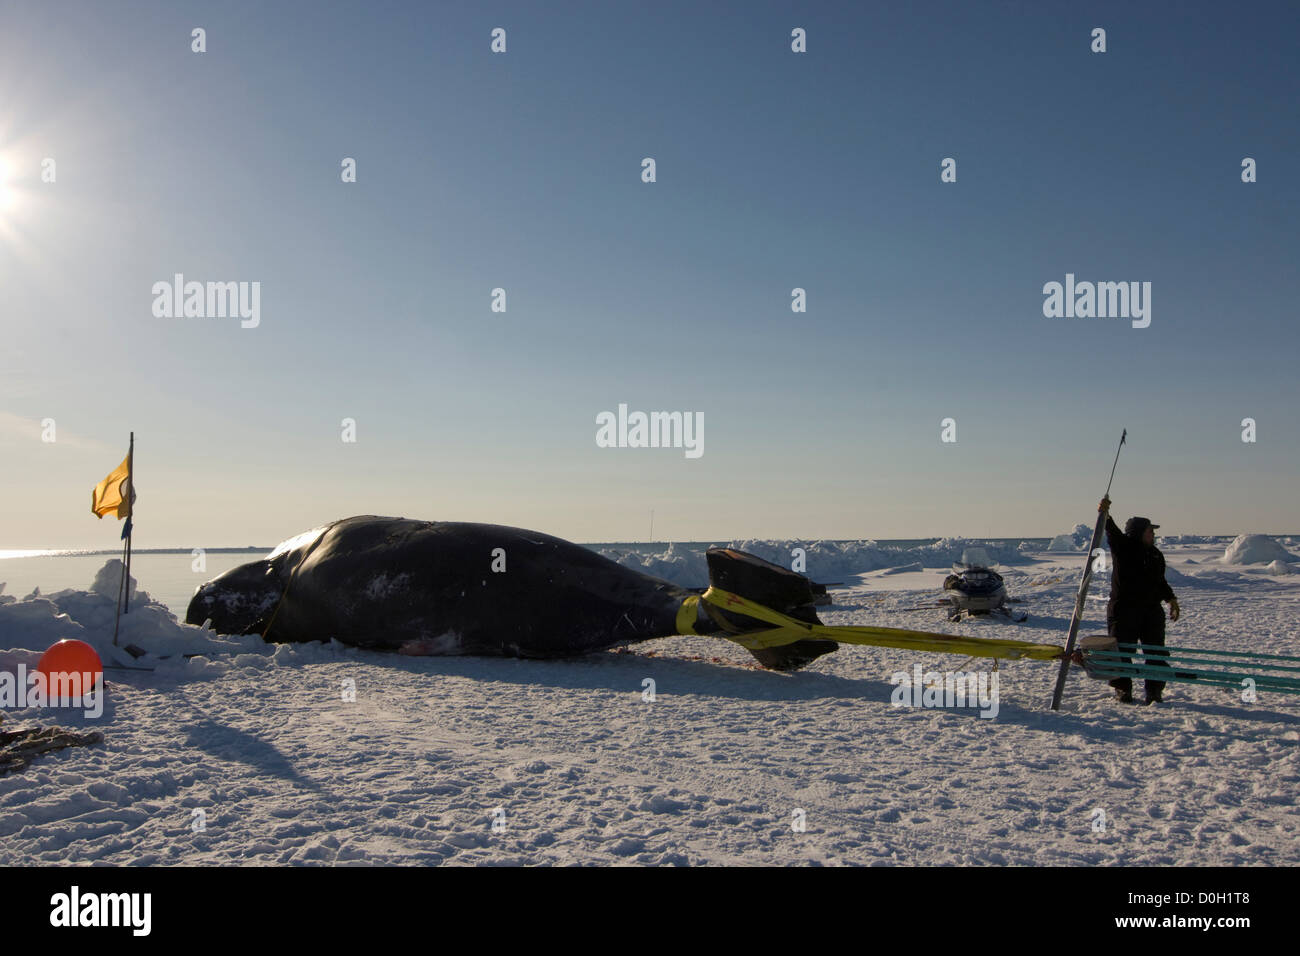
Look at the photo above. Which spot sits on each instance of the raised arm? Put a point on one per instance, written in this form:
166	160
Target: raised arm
1115	536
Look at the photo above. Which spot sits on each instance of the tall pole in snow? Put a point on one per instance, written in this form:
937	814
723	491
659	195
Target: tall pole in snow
130	515
1077	617
123	585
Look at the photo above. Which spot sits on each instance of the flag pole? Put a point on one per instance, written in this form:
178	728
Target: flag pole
123	586
121	583
130	514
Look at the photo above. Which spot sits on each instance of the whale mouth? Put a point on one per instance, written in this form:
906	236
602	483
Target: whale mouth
241	601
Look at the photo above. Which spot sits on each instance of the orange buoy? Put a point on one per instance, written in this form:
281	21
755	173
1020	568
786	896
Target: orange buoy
65	666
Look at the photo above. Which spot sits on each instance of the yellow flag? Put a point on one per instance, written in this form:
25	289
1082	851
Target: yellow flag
114	494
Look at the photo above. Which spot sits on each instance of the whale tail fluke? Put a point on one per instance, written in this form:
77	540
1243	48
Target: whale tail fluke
774	587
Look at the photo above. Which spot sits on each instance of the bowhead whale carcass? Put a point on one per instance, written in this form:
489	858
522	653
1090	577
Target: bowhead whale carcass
447	587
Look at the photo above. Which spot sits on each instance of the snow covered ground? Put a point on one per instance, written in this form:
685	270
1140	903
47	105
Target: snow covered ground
259	745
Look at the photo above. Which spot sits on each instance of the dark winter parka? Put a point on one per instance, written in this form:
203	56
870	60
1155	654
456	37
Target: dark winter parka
1137	581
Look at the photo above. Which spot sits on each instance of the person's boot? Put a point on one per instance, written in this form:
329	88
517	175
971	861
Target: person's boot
1124	696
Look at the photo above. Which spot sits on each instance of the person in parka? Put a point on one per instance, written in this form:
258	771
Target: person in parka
1137	586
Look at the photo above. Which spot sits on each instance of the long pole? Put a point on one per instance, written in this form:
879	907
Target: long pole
130	517
123	587
1077	617
130	514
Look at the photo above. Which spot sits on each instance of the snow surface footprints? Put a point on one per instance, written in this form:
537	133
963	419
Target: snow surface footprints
284	770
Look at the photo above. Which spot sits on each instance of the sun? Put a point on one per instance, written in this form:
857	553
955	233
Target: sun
12	206
8	190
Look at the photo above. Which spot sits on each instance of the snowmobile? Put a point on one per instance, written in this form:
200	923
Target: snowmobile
975	588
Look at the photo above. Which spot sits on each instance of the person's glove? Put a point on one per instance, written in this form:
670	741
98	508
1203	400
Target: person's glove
1104	506
1173	610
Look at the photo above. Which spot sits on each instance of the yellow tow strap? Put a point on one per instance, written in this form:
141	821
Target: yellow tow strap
787	630
687	613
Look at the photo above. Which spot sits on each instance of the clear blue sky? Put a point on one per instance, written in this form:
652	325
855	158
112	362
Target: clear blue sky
522	170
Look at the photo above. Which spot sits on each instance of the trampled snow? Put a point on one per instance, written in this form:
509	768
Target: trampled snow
320	753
